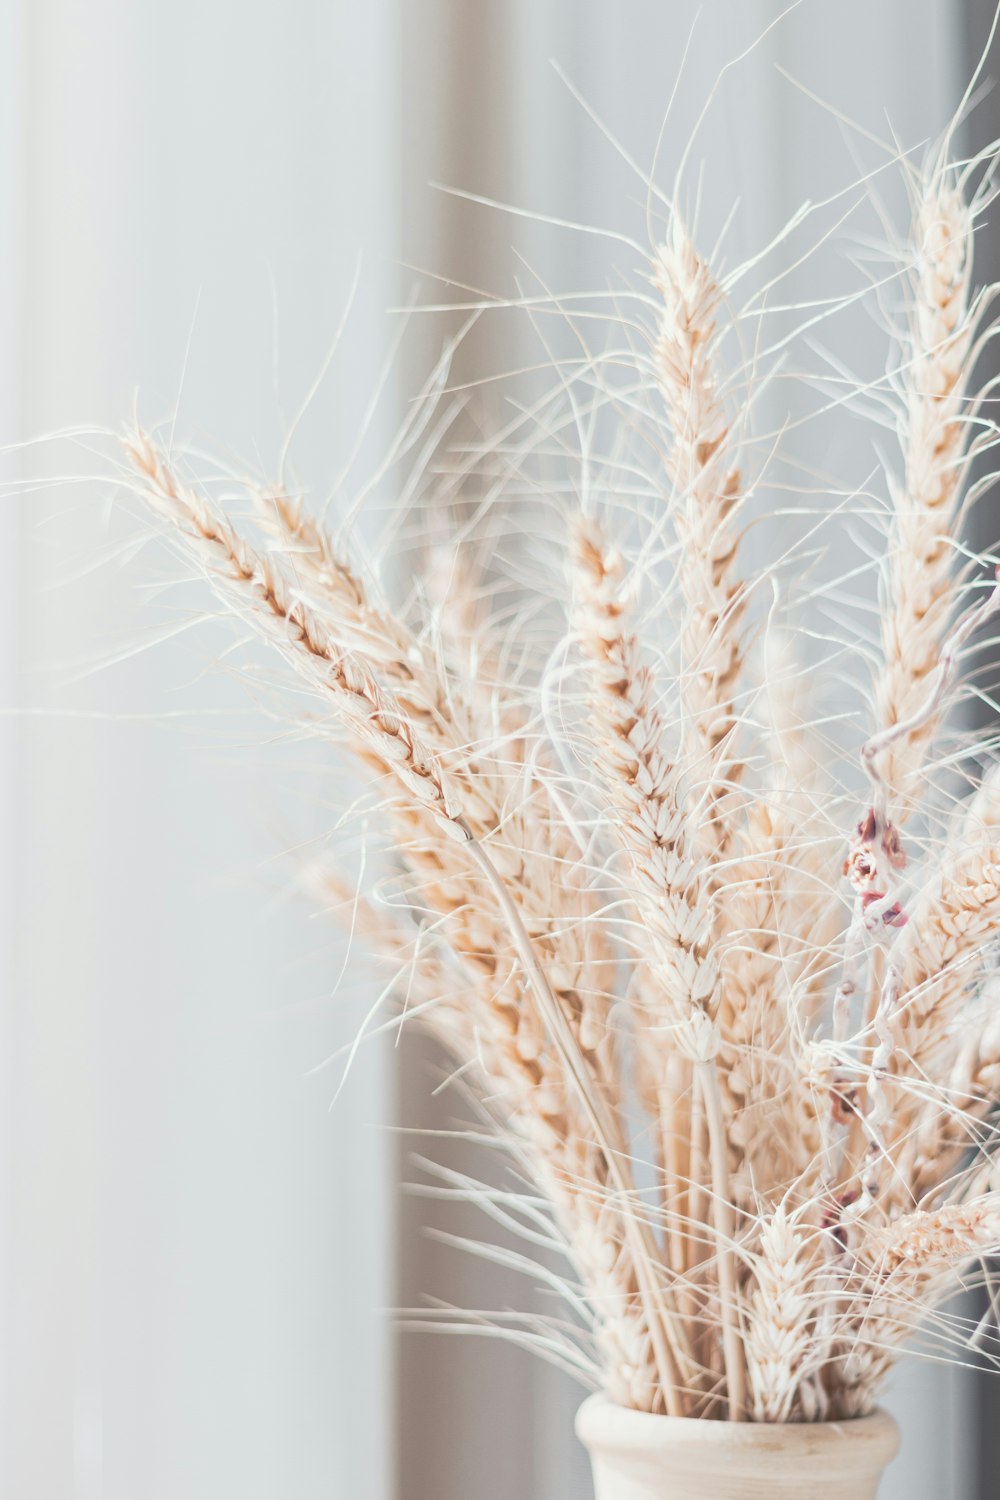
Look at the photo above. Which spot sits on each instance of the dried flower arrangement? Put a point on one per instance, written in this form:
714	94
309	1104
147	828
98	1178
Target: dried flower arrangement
750	1081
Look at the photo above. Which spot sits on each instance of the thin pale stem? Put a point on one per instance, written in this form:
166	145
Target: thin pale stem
722	1218
696	1169
673	1184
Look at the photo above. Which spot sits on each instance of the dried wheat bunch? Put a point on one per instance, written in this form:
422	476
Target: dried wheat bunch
721	983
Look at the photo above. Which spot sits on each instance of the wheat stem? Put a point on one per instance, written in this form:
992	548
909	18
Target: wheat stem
722	1216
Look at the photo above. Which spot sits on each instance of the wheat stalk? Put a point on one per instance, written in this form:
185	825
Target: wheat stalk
938	439
672	901
781	1335
708	490
258	591
758	1100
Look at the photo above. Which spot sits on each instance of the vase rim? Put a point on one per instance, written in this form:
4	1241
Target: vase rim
860	1443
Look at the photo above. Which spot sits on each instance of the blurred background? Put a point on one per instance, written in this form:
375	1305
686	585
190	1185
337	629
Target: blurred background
198	1255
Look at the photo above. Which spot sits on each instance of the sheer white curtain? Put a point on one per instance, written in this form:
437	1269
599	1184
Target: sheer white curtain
196	1253
196	1248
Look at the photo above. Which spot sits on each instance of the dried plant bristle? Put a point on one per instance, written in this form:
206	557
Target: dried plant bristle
724	989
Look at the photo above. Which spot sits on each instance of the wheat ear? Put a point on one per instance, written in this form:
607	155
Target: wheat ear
708	490
670	890
259	592
780	1326
336	589
901	1272
936	417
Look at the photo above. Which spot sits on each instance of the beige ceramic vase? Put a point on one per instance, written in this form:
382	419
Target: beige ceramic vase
636	1456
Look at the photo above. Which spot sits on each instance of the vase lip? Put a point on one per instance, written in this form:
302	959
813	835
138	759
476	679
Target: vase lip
863	1442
